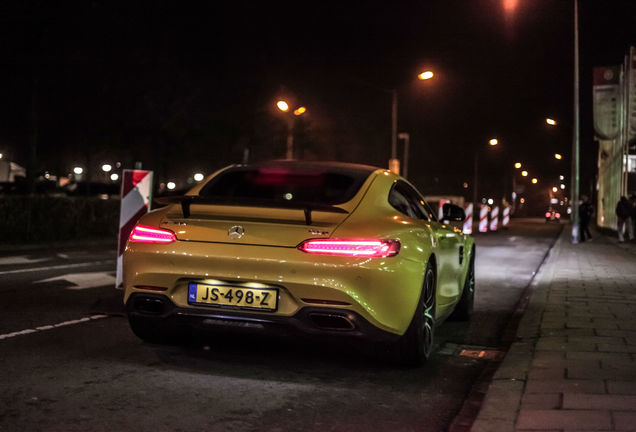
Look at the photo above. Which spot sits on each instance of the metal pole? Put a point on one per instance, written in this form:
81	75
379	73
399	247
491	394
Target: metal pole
394	125
406	154
290	141
574	202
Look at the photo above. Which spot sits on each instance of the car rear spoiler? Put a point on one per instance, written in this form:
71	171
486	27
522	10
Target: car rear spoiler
187	200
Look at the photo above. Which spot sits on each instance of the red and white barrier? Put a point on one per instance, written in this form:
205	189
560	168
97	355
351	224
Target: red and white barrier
440	211
505	220
468	222
494	218
136	195
483	218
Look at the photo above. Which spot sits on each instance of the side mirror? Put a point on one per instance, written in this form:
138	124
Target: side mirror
453	213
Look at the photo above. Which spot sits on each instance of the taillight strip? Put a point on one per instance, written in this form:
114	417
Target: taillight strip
146	234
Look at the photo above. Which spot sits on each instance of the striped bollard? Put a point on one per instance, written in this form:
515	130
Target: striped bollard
136	196
483	218
494	218
468	222
505	220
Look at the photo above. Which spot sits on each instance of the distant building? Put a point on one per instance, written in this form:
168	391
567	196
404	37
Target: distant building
10	170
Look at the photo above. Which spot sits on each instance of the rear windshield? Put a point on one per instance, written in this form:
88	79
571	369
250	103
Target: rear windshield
313	185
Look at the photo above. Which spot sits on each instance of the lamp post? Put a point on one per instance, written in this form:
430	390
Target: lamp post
284	107
394	163
575	139
492	142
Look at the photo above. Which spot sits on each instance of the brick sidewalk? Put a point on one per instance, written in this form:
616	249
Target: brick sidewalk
573	364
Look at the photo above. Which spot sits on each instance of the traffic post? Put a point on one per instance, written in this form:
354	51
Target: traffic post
505	219
468	222
136	196
494	218
483	218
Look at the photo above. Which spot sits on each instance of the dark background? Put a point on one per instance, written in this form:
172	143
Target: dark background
184	88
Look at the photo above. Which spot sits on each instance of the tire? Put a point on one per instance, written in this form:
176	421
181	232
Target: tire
149	330
464	308
416	345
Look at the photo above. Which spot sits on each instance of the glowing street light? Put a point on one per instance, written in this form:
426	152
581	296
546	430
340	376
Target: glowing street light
114	176
78	170
558	156
555	189
198	177
562	186
524	173
518	165
493	141
171	185
300	111
282	105
426	75
535	181
106	168
551	122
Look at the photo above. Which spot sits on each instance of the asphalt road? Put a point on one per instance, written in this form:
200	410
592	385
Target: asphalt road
69	362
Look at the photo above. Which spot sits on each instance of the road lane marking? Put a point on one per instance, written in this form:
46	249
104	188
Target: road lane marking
22	259
51	326
82	281
58	267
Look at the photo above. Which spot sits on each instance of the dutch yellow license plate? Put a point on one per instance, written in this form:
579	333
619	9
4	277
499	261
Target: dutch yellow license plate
233	296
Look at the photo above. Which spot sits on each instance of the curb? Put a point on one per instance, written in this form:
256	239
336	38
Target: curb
500	407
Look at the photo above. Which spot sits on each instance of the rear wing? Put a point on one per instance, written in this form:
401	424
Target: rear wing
187	200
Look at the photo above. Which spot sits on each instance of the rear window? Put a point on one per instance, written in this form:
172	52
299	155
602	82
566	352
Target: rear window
303	185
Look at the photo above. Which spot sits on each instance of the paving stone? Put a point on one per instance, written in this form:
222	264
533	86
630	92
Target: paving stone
627	325
568	332
538	374
598	373
563	363
564	346
615	348
565	385
580	355
625	420
616	333
599	402
541	401
596	339
621	387
559	419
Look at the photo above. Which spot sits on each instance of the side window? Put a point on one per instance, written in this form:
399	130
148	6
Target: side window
405	200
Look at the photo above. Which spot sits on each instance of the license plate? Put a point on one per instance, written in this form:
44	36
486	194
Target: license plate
233	296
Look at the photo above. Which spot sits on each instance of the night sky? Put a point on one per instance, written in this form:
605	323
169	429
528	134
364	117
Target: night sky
186	89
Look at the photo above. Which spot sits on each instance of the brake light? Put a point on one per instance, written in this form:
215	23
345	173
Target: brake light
351	247
547	214
146	234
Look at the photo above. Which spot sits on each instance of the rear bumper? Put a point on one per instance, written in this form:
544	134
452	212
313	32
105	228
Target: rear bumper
319	321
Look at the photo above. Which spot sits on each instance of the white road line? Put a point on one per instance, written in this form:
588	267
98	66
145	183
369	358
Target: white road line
57	267
51	327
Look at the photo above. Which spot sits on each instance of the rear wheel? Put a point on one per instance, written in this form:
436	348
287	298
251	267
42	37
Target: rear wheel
416	345
464	308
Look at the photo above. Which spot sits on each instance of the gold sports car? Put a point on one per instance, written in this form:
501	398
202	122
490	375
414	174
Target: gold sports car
321	248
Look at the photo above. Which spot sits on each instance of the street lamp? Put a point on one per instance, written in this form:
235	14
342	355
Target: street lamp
198	177
524	173
493	142
535	180
551	122
394	163
106	168
558	156
518	165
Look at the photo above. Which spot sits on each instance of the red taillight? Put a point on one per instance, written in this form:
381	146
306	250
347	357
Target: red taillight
351	247
146	234
558	215
547	214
